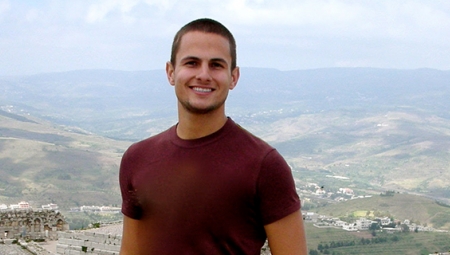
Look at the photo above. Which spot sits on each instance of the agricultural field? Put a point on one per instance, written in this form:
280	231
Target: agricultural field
381	244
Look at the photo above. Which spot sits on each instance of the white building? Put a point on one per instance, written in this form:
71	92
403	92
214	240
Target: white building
363	224
340	223
310	216
109	209
14	206
346	191
385	221
91	208
24	205
50	207
350	227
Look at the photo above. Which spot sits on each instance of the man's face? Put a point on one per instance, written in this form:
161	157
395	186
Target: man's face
202	75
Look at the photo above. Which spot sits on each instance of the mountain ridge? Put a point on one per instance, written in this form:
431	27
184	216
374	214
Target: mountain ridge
382	128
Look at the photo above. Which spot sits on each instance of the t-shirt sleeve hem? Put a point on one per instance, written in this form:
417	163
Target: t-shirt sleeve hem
289	210
130	214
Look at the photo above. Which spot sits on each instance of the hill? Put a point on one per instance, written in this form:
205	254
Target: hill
382	129
46	163
417	209
130	104
401	150
341	242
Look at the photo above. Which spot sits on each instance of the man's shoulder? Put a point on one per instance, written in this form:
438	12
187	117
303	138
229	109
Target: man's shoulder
160	137
248	138
151	143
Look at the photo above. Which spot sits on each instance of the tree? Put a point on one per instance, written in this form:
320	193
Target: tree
313	252
404	228
374	226
320	247
395	238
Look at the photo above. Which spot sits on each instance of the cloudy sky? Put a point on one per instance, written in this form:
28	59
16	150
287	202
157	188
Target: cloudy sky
53	36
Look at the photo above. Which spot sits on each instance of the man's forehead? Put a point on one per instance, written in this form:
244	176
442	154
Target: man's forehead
196	34
202	43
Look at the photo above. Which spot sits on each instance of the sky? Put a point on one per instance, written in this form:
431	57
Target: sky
132	35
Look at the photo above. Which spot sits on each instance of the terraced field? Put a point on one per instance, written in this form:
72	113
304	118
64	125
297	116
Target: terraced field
406	243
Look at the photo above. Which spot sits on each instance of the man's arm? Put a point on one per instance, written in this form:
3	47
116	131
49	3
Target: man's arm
287	235
129	236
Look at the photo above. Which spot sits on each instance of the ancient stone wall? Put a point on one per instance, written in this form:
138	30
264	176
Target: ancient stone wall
31	224
105	240
83	242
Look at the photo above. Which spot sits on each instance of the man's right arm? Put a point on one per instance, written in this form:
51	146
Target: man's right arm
130	236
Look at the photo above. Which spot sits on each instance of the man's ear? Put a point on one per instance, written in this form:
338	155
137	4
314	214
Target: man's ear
234	77
170	73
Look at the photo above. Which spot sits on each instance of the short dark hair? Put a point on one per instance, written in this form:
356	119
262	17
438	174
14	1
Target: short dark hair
207	26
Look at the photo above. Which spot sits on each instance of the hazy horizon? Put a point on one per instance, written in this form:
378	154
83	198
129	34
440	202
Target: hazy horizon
53	36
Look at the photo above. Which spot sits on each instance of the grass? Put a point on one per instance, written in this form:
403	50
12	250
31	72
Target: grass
417	209
81	220
398	243
42	163
45	163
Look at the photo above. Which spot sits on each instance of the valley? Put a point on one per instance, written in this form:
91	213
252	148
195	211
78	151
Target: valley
62	135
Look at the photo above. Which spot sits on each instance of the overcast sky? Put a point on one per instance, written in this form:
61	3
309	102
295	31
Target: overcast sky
52	35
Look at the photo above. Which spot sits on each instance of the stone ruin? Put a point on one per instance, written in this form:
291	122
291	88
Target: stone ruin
105	240
49	225
31	224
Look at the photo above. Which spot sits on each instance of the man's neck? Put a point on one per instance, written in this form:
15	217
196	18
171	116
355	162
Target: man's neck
194	126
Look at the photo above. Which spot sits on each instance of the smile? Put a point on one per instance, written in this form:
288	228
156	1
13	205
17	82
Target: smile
205	90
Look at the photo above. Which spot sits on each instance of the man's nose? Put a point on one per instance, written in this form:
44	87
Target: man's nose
204	73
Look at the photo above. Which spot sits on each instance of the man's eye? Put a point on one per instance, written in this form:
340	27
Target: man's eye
216	65
191	63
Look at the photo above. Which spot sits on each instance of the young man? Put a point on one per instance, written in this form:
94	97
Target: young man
207	186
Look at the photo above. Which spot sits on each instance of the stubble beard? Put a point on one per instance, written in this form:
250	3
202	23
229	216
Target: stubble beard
197	110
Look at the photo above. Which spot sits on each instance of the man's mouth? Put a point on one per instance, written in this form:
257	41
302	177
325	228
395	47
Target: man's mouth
203	90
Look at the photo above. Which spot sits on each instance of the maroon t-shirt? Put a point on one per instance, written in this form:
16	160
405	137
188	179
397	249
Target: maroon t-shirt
211	195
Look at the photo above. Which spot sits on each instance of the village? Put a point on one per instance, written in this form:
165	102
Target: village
96	209
307	192
23	205
48	224
387	224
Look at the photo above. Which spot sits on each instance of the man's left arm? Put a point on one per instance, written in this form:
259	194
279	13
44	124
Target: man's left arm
287	235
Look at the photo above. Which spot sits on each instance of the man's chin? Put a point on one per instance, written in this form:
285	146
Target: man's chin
200	110
196	110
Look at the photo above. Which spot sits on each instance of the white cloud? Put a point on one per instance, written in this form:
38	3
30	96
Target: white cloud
4	6
284	34
98	10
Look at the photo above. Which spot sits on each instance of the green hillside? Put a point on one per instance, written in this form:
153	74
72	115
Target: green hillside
402	150
418	209
43	163
384	129
421	243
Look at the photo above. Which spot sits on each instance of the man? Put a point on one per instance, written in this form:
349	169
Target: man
207	186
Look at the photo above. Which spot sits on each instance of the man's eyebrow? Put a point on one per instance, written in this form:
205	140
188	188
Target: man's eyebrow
190	58
219	60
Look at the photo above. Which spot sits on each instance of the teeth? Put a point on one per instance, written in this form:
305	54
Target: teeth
202	89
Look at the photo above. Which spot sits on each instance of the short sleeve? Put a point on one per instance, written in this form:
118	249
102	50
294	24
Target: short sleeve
130	204
276	189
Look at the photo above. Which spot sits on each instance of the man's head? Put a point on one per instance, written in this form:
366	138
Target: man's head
207	26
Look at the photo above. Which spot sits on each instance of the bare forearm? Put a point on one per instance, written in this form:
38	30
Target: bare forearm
129	237
287	236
